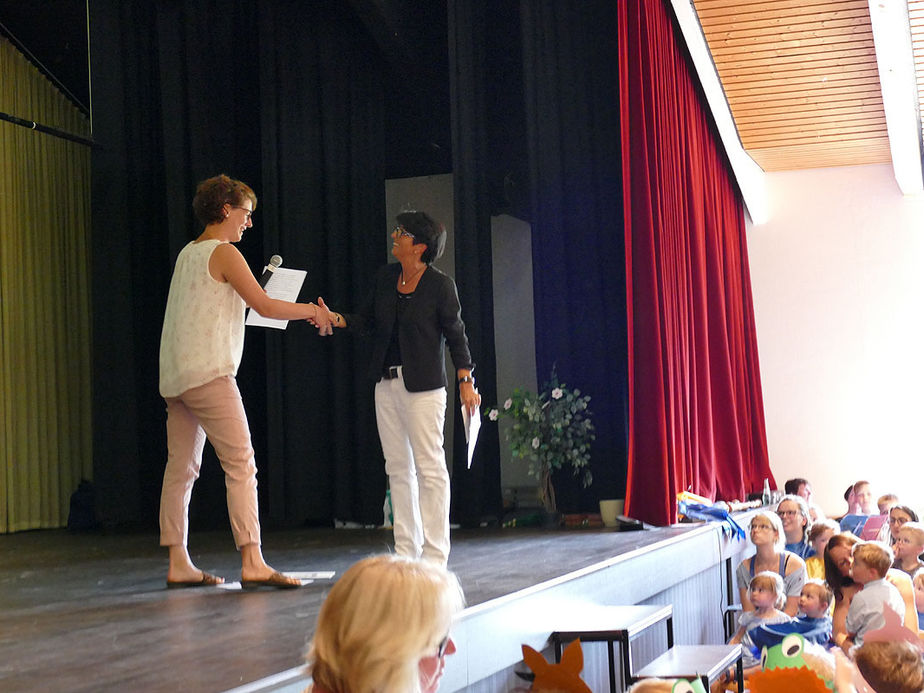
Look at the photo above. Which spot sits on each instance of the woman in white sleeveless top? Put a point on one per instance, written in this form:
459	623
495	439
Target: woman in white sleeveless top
200	351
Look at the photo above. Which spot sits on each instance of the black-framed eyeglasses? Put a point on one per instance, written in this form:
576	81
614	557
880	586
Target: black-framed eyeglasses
441	650
401	231
249	211
787	513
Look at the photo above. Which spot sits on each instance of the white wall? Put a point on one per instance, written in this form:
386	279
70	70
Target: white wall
838	285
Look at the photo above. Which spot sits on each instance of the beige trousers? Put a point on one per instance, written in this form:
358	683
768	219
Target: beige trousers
214	411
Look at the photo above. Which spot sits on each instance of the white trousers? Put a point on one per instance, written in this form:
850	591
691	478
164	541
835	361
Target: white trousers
411	430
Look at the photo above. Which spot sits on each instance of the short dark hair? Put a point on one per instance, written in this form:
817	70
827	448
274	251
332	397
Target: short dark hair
792	486
427	230
907	510
214	193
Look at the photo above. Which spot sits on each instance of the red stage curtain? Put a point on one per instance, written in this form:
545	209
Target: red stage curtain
695	403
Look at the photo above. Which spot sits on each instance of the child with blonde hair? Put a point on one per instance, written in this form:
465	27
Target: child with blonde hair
909	545
768	595
384	628
818	537
871	562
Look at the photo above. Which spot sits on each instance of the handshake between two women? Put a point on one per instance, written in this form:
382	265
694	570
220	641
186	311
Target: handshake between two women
325	319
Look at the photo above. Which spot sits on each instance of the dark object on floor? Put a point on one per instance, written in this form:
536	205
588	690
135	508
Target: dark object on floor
82	515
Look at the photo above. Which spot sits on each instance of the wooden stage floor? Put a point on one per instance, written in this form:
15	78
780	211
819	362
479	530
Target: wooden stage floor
90	612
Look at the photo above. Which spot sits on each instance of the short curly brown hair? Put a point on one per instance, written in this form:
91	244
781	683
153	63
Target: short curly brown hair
215	192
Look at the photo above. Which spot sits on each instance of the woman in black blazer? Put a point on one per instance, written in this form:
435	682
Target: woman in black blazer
412	312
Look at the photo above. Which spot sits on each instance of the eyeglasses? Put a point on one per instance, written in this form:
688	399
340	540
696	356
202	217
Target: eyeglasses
401	231
441	650
898	520
249	211
753	527
787	513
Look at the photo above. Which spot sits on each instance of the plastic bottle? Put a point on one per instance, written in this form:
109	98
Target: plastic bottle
766	497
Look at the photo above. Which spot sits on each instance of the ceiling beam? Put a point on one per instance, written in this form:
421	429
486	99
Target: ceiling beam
749	176
895	59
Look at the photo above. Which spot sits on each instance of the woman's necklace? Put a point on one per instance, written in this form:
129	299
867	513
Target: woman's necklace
405	281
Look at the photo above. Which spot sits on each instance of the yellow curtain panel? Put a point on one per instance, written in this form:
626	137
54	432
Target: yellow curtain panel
45	425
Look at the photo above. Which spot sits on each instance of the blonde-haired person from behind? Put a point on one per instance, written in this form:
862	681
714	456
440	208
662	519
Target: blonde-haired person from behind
384	628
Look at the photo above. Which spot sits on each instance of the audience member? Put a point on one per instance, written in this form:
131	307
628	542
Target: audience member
852	507
818	537
767	536
886	502
891	667
384	628
863	497
813	622
908	548
898	516
857	520
919	598
871	562
838	566
768	595
794	514
801	487
814	606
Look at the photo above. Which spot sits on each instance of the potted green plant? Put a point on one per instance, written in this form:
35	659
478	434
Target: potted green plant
551	429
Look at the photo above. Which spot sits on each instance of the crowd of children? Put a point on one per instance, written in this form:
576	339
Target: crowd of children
858	596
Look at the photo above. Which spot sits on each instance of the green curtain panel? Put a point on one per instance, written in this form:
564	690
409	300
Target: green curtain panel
45	390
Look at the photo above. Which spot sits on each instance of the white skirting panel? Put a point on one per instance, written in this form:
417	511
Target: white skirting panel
687	572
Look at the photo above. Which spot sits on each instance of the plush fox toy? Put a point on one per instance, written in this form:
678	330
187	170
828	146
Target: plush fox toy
558	678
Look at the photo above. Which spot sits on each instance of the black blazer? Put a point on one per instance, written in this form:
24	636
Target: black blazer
433	318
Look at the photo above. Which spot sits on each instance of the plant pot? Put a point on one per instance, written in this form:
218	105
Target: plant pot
610	509
551	519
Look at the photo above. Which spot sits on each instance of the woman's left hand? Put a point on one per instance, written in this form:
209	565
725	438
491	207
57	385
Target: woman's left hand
469	397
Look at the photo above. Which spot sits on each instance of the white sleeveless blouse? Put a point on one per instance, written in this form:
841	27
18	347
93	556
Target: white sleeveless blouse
203	333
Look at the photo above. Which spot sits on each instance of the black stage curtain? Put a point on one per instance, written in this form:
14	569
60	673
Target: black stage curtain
283	96
579	279
476	491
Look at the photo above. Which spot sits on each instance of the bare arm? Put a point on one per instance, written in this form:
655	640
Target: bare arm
736	638
905	587
839	618
228	265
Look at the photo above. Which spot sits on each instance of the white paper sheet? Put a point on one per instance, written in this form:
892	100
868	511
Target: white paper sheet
284	284
472	426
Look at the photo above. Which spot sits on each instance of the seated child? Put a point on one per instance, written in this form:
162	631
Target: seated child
919	597
908	547
813	622
891	666
871	562
768	595
818	537
885	503
814	606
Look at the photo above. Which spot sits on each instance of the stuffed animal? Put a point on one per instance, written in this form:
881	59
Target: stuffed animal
558	678
794	665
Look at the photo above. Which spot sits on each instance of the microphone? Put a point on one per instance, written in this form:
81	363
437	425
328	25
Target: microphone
274	262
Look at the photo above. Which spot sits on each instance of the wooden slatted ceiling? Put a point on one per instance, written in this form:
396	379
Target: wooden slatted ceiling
801	80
